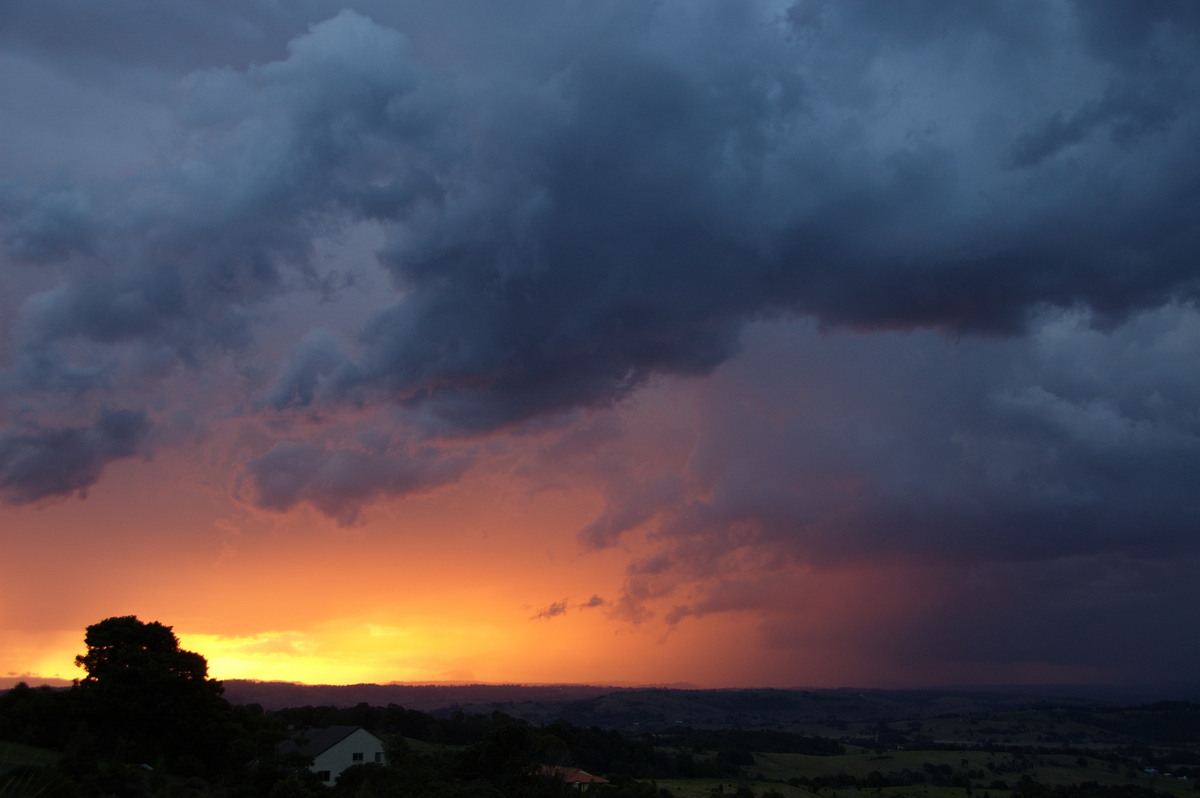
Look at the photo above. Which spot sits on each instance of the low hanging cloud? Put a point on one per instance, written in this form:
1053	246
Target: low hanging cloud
337	482
982	501
38	463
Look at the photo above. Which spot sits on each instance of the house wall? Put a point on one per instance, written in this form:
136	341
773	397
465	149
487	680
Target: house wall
340	755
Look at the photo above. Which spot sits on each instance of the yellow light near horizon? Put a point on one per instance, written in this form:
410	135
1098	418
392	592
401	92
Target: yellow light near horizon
41	655
294	669
351	653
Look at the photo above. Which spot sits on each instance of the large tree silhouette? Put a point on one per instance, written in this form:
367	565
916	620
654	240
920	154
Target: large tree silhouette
153	698
126	653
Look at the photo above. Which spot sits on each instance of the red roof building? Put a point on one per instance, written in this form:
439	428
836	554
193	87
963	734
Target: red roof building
575	776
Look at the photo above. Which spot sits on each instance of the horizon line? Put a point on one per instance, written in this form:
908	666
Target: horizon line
32	680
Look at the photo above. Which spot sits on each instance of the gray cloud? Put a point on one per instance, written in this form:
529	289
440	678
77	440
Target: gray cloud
649	202
338	481
613	194
174	265
557	608
1043	488
632	502
1105	611
182	251
187	35
37	463
550	611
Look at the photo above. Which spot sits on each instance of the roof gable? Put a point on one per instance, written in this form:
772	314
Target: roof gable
313	742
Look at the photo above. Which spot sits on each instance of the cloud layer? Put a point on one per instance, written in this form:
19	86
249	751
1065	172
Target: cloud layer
926	273
1020	502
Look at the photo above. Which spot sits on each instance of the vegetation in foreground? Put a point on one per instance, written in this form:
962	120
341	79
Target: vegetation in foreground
147	721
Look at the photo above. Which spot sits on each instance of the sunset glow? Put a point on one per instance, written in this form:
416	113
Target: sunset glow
724	344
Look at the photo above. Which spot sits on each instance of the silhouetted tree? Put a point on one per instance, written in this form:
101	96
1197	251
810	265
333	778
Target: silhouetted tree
39	716
126	653
150	698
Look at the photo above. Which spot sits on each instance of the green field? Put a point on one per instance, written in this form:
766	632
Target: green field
15	755
21	771
994	774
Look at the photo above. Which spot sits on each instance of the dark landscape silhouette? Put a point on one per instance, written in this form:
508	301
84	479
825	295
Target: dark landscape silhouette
147	720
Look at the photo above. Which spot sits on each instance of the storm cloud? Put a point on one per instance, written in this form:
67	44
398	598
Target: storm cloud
558	236
924	275
338	482
660	190
37	463
1043	484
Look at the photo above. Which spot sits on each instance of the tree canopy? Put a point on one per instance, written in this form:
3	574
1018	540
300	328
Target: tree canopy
126	652
148	693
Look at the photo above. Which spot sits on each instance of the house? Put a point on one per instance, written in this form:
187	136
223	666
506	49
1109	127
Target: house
335	748
580	779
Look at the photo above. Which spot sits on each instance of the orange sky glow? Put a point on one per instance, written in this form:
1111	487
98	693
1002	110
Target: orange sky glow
428	342
459	584
488	579
446	586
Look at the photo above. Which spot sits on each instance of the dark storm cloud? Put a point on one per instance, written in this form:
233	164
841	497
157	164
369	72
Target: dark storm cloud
1043	488
565	222
1105	610
38	463
1100	619
180	256
337	482
626	216
46	228
172	265
182	35
1075	443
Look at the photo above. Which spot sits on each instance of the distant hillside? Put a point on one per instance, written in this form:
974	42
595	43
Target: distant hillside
424	698
879	719
9	682
833	713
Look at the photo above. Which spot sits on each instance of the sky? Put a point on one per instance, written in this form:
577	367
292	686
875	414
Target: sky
756	343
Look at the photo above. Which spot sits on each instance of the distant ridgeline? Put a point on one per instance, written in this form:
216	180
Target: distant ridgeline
967	716
469	746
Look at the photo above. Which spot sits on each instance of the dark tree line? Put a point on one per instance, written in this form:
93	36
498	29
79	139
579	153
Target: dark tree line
145	712
148	720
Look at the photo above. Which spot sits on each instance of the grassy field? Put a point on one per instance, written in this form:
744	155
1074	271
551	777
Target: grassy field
14	755
703	788
18	770
984	771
